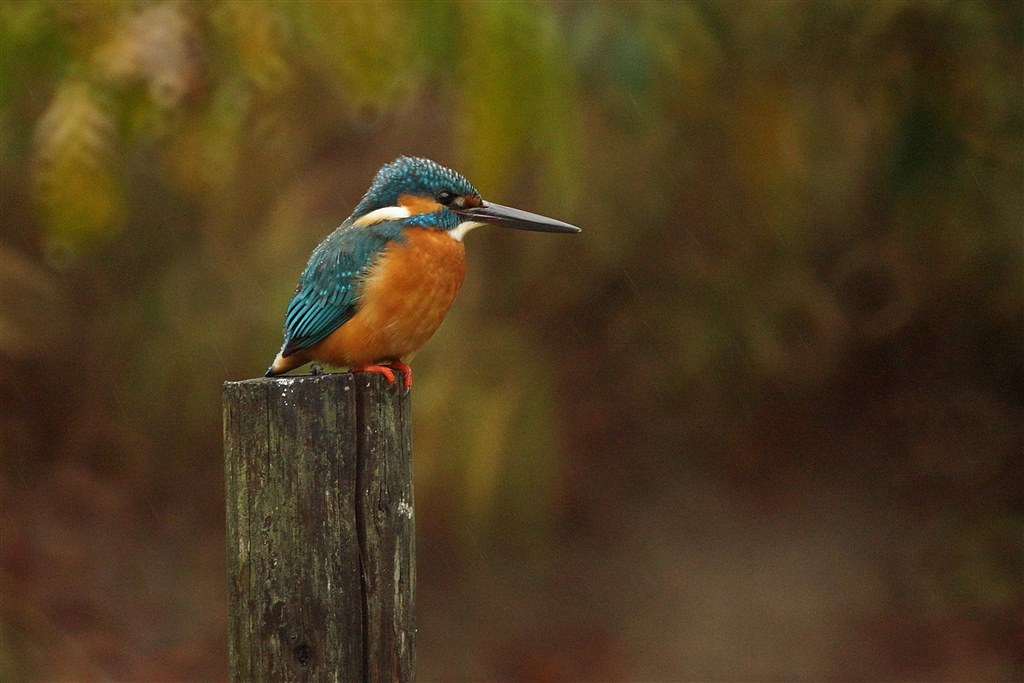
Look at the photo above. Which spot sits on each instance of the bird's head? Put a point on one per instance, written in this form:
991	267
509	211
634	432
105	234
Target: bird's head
421	192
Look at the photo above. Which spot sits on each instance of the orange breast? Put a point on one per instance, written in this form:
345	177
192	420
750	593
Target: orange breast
404	299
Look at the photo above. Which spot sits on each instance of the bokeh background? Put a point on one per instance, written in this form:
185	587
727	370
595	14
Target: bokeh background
762	420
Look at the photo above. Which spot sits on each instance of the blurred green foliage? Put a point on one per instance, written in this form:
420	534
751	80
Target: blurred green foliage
801	268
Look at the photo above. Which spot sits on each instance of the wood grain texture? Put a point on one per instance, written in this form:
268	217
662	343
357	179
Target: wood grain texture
320	529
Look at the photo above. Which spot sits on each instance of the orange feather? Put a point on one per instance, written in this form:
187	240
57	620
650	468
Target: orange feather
405	297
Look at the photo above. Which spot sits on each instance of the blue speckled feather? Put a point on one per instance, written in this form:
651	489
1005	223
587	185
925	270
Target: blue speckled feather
330	286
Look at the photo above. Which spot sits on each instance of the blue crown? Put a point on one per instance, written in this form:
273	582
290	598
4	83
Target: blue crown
411	175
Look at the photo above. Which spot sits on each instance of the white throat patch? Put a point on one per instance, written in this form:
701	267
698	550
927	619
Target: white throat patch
387	213
460	230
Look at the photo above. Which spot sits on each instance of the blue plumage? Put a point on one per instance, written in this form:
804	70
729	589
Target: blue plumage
411	176
329	286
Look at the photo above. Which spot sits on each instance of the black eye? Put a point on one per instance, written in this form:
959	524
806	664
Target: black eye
445	197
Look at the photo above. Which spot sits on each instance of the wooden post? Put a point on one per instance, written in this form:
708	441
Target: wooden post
321	555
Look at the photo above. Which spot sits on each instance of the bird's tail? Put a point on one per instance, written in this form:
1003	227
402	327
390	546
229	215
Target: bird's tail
284	364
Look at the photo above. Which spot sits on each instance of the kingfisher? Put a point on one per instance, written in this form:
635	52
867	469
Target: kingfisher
377	288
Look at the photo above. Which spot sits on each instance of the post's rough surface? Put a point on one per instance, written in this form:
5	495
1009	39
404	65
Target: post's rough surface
321	557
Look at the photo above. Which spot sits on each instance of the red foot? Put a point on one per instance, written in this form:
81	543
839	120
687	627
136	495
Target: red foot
406	371
388	373
379	369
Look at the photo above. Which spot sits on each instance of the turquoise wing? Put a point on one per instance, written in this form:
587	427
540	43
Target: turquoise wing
329	288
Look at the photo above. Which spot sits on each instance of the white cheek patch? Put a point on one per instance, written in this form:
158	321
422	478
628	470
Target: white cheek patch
460	230
387	213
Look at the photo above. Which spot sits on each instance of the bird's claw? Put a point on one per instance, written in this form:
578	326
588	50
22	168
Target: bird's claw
377	369
316	369
388	372
406	374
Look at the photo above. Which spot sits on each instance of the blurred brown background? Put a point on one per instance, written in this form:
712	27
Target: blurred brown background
762	420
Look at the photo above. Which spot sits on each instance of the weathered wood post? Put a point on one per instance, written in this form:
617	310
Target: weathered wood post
321	555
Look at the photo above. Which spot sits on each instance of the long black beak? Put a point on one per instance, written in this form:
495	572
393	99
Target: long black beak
513	218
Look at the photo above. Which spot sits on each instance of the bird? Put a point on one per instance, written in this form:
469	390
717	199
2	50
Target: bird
377	288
